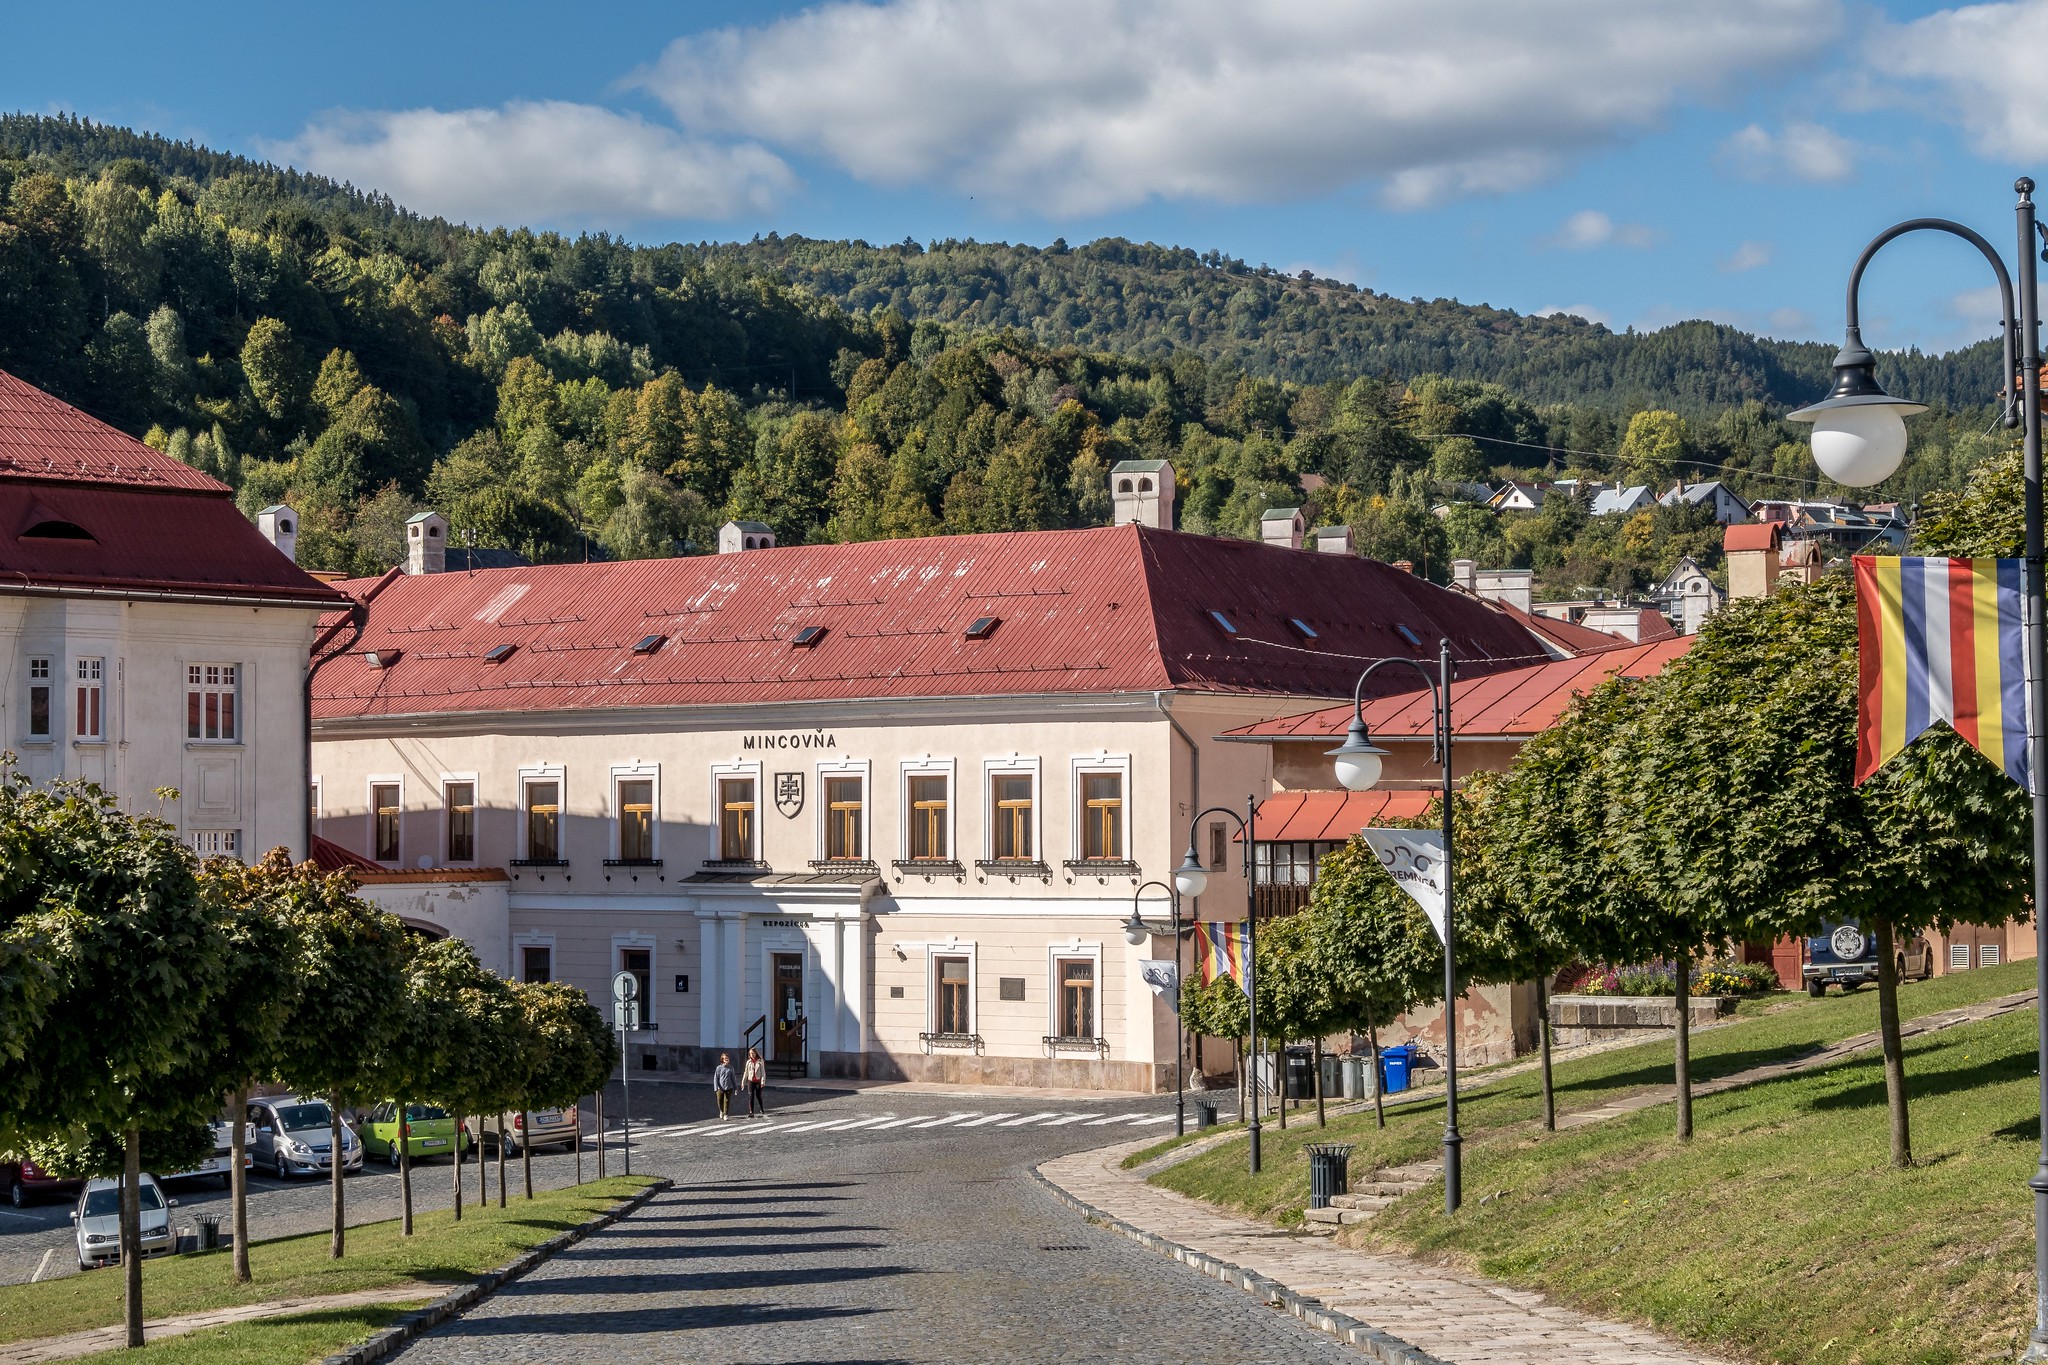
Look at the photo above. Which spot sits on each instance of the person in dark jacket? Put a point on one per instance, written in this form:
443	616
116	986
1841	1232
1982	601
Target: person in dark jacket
725	1083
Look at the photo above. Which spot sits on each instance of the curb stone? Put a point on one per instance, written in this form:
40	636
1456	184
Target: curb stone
1381	1346
490	1282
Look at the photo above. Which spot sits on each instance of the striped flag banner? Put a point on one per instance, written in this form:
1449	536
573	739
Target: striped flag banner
1940	639
1223	951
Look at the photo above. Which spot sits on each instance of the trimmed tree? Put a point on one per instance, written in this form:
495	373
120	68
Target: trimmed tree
573	1053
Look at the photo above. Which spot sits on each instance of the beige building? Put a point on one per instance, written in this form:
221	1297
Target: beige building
882	809
151	637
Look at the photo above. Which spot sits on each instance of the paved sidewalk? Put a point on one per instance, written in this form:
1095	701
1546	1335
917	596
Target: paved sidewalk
98	1339
1453	1317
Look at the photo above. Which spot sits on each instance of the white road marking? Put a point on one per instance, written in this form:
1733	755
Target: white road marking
1063	1120
1113	1118
1029	1118
1156	1118
940	1123
895	1123
848	1127
985	1118
43	1264
806	1127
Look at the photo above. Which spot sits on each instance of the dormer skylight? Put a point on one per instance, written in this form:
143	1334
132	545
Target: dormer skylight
380	658
1302	628
1224	621
1410	636
808	637
649	643
499	653
983	627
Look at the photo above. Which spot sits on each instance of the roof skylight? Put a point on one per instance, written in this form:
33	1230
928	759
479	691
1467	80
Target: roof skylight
499	653
808	637
1410	636
1224	621
1302	628
649	643
983	627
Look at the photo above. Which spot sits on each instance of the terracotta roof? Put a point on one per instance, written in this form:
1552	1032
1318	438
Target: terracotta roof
1569	637
1108	609
1754	535
1312	817
329	856
1517	702
43	437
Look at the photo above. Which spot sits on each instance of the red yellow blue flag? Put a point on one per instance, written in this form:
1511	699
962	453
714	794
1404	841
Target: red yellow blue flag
1940	639
1223	951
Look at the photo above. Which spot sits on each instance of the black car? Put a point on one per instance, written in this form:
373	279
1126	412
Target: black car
1844	954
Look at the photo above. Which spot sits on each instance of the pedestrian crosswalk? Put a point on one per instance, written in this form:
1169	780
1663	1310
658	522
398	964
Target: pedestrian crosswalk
738	1128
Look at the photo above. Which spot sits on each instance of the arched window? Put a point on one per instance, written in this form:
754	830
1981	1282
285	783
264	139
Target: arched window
1144	485
1123	485
56	530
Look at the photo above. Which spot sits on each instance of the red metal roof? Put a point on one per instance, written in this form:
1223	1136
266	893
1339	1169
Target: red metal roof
1515	702
1108	609
43	437
1313	817
1754	535
329	856
1568	636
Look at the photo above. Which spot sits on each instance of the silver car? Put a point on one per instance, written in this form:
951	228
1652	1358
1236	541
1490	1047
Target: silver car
531	1128
98	1221
290	1136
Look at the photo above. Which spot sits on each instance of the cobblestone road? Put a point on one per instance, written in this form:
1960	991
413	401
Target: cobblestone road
898	1245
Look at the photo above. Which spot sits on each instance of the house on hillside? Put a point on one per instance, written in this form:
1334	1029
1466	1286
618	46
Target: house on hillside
1517	496
1727	506
1620	502
154	638
1687	595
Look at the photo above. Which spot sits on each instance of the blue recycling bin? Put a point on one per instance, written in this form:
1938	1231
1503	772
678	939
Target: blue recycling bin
1394	1067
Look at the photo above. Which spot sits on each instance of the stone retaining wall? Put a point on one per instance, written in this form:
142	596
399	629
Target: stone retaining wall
1576	1019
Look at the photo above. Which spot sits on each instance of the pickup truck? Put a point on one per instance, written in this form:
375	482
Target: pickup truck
1844	954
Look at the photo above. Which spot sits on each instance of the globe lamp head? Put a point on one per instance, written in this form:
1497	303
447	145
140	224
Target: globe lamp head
1189	879
1357	759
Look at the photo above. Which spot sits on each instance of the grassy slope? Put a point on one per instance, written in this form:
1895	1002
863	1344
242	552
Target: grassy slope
439	1253
1779	1233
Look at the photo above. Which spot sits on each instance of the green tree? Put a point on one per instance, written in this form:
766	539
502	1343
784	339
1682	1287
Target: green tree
1656	443
574	1053
276	369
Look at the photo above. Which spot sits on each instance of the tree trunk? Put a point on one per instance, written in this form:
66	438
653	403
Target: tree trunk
1894	1046
338	1241
238	1186
1280	1081
1379	1099
526	1152
1322	1119
404	1170
131	1236
461	1133
577	1143
501	1161
1682	1061
1543	1046
483	1168
600	1132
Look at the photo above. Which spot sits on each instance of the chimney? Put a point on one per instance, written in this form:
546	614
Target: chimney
426	543
1335	540
736	536
1141	492
1513	587
1404	565
280	526
1463	573
1752	551
1281	526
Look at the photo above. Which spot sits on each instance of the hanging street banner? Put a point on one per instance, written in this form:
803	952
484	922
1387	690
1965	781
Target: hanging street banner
1414	858
1222	948
1162	974
1940	639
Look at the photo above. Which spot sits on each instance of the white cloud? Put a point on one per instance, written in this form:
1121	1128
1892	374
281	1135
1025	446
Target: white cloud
1748	256
1590	228
1803	151
1983	65
548	160
1080	106
1976	307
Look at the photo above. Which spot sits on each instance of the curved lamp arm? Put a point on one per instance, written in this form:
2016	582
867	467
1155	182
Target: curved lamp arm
1149	926
1435	700
1856	355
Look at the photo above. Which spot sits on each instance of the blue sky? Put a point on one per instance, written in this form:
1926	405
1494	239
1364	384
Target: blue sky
1634	161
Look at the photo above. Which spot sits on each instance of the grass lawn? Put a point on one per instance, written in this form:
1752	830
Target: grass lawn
440	1253
1780	1233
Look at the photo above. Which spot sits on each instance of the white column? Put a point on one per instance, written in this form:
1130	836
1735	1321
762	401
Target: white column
732	1001
709	974
853	993
825	942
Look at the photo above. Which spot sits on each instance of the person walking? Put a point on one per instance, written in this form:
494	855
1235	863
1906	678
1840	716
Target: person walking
724	1082
755	1077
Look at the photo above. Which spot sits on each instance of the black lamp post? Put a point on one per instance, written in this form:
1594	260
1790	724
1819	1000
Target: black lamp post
1358	769
1190	880
1859	439
1136	931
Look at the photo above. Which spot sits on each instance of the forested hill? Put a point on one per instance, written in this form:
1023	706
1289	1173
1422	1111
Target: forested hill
1140	299
1115	296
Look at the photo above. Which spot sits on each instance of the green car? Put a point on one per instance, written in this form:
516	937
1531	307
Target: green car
429	1131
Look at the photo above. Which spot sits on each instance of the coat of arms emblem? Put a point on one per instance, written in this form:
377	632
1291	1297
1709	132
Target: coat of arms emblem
789	794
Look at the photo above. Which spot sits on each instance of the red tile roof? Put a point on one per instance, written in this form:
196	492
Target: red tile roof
1314	817
1109	609
1517	702
1754	535
43	437
329	856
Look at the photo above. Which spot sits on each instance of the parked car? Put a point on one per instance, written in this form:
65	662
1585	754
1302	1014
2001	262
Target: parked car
98	1220
26	1182
1844	954
529	1128
292	1136
222	1162
429	1130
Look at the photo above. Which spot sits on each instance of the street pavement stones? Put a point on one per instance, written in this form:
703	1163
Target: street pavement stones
1453	1317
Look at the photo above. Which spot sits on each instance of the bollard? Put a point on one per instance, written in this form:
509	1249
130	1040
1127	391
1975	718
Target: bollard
1329	1172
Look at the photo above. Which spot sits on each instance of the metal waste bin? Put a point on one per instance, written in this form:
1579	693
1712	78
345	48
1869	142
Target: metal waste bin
1205	1114
1301	1074
1396	1064
1329	1172
1358	1081
209	1231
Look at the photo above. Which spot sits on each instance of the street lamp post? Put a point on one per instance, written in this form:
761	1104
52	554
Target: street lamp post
1136	931
1859	439
1358	769
1190	880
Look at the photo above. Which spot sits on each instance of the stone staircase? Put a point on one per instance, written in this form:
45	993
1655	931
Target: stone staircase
1368	1197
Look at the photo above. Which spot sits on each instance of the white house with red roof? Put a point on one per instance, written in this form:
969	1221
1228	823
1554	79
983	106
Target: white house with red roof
153	637
881	808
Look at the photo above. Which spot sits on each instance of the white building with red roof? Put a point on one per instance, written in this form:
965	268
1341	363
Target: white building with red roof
153	637
880	808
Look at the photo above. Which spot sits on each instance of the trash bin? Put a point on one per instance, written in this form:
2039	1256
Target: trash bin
1205	1114
1333	1075
1301	1074
1329	1172
209	1231
1395	1063
1358	1079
